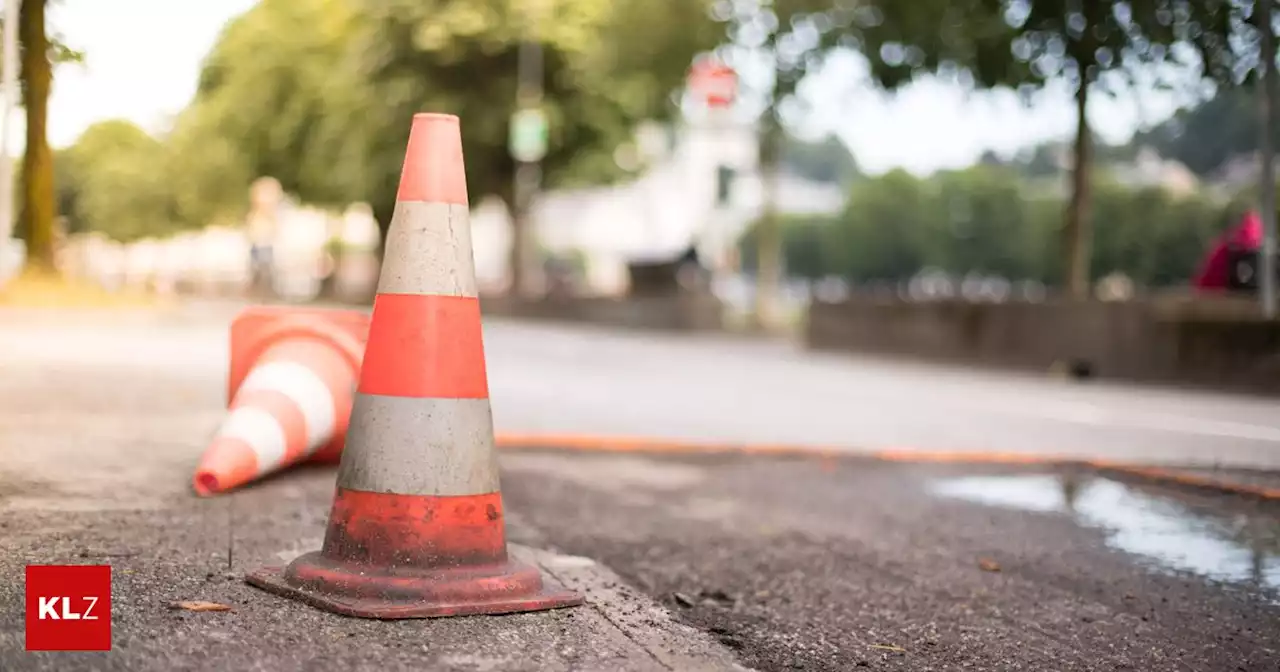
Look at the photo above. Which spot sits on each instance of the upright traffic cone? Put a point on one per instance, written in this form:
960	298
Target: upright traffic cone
416	529
290	389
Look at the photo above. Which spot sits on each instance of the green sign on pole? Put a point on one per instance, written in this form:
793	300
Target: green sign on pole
528	141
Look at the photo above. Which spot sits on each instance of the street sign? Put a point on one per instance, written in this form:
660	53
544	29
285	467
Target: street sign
714	82
528	140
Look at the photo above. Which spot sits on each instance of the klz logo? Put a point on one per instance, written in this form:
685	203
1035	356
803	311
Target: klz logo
68	608
49	606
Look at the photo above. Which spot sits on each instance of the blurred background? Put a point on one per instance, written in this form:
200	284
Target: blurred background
784	165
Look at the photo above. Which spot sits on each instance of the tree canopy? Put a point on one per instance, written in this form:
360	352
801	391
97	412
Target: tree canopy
110	182
1021	44
983	220
326	110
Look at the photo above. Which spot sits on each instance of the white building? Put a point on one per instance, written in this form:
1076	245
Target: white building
672	205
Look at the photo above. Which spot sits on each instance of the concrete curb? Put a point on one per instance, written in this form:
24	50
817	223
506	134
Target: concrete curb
638	444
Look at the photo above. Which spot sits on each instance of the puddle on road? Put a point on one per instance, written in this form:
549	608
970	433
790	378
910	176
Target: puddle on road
1236	548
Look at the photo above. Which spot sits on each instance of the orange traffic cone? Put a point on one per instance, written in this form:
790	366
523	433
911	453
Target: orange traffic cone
416	529
293	376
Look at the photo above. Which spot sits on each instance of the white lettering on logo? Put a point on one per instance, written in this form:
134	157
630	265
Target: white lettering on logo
48	609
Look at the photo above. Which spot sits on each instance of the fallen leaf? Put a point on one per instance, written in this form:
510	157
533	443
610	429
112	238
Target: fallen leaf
199	605
888	647
988	565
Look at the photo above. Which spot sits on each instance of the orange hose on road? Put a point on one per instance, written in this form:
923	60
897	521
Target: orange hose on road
640	444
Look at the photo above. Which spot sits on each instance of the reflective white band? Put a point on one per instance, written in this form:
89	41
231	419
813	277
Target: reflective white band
420	446
428	251
261	431
306	389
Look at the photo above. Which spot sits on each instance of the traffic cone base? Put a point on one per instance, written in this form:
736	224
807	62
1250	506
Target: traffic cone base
507	588
417	528
450	559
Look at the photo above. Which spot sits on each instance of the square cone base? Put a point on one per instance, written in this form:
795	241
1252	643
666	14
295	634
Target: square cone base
358	590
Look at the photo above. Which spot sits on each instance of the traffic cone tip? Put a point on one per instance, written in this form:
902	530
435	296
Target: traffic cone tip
434	170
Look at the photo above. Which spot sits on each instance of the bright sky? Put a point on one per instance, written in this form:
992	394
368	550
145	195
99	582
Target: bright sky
142	58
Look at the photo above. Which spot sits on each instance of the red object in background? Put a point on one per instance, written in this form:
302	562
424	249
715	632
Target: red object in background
715	82
1215	272
68	607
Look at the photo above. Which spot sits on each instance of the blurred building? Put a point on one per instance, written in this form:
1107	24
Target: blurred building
703	189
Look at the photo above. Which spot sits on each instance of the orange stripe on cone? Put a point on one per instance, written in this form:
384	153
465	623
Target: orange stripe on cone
291	388
400	362
416	529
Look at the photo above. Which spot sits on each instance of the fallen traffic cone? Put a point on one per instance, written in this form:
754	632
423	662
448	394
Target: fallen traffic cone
416	529
290	389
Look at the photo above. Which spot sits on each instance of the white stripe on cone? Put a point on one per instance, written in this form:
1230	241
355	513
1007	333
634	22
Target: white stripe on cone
420	446
428	251
305	389
261	431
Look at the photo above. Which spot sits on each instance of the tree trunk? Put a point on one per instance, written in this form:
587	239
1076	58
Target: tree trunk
768	239
39	207
1076	234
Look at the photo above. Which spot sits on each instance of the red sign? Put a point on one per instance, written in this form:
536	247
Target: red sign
715	82
68	608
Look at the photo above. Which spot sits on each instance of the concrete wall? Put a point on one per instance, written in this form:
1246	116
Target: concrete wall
1208	343
682	313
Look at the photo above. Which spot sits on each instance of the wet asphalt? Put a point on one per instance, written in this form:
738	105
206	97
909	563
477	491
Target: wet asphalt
839	565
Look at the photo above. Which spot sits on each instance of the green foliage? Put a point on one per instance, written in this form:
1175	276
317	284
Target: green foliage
110	182
1156	239
983	219
319	94
607	66
274	99
1208	135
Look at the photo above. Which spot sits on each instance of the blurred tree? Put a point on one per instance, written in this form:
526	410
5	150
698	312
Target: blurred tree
1154	237
890	228
113	184
985	224
1022	44
1208	135
805	248
209	172
791	38
981	220
607	65
826	160
274	98
38	205
319	93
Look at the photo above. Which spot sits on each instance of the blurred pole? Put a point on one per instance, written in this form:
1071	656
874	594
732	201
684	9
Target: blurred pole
8	92
769	239
528	176
1266	266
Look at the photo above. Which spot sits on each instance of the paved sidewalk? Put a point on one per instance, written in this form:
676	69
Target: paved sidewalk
95	463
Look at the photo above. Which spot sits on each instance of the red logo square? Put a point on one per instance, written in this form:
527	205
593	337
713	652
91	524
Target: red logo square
68	607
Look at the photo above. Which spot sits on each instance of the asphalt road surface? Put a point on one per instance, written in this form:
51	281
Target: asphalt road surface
561	379
710	563
850	564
